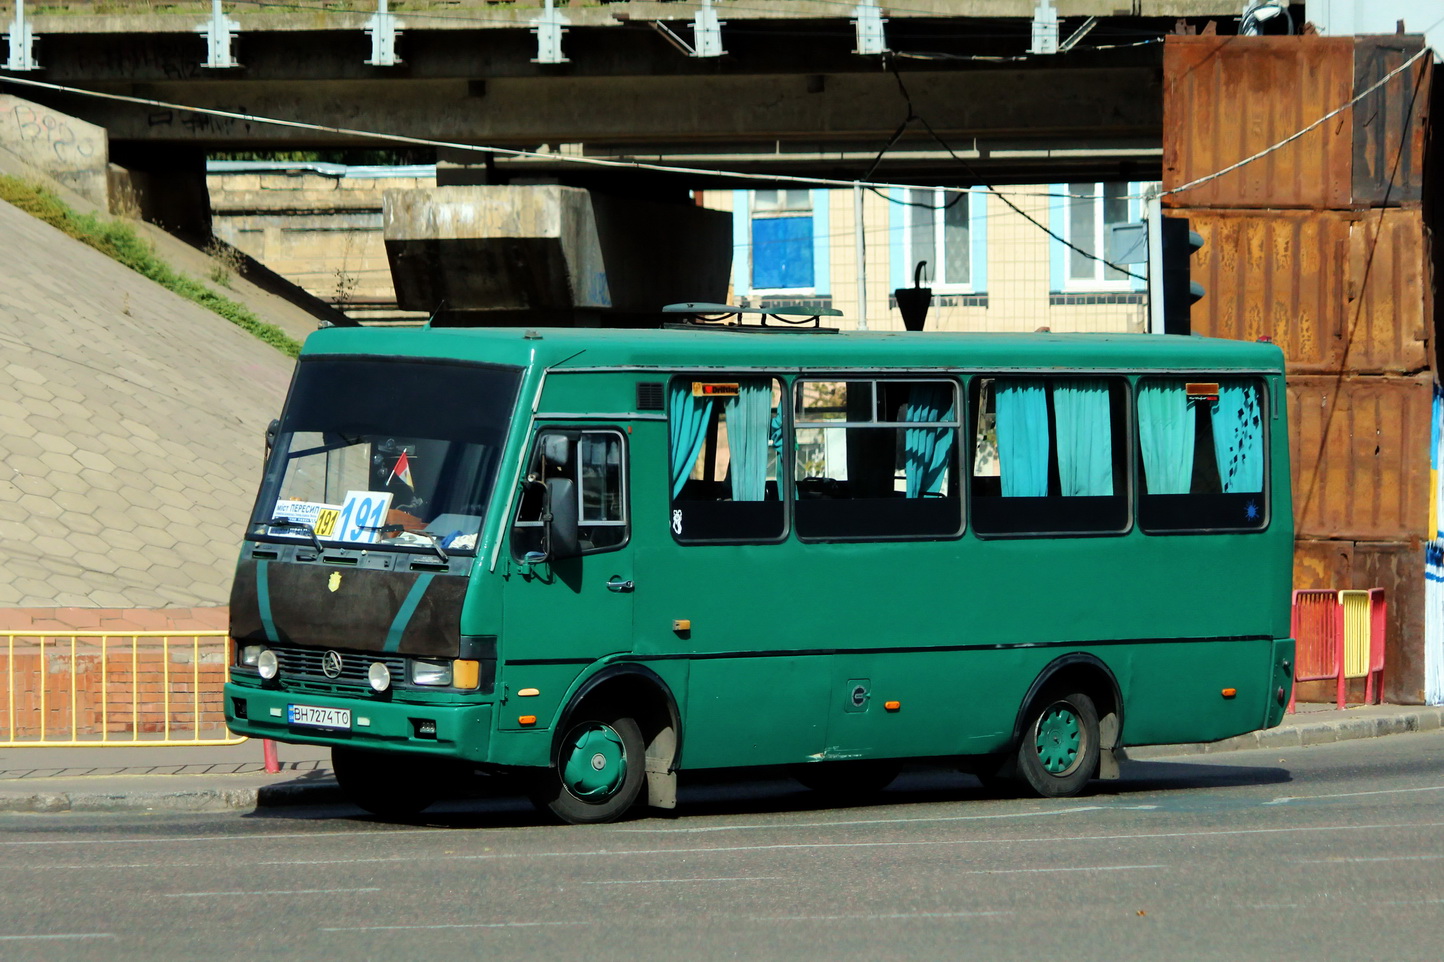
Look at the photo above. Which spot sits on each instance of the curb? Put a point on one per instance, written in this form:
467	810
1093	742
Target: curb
202	800
1423	719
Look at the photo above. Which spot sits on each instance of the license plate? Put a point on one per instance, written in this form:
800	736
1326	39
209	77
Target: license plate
317	717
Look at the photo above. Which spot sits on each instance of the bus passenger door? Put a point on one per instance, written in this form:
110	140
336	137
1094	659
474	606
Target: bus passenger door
565	612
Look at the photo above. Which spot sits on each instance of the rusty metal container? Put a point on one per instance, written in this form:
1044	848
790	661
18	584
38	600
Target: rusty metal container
1360	453
1398	568
1390	124
1336	290
1227	98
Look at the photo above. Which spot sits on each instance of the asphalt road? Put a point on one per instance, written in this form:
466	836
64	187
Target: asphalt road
1330	852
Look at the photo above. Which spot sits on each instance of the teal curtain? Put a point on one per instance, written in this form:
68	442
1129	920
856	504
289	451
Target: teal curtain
749	426
927	451
1085	437
1238	438
687	417
1022	422
1166	436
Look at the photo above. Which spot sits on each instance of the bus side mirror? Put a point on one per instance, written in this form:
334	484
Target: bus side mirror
562	538
272	430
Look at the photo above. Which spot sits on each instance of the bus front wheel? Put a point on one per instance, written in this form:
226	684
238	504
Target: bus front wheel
1058	752
599	773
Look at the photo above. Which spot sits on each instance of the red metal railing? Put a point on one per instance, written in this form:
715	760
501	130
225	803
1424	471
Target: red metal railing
1339	635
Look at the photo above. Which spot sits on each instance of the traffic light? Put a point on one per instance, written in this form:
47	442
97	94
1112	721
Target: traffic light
1179	290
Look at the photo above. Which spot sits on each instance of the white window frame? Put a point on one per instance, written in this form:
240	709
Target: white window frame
1099	242
932	276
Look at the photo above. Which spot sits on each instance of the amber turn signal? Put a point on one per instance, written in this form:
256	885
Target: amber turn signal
892	705
1230	692
682	624
526	720
465	673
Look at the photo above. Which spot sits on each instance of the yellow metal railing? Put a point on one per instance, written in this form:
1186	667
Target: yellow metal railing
75	691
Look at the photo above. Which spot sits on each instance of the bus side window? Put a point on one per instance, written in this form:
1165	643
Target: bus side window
595	461
725	436
876	460
1201	446
1049	455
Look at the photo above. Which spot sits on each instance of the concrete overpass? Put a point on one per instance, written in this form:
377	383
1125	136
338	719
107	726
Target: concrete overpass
789	95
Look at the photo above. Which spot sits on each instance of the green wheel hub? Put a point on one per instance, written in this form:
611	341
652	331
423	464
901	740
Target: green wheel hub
594	762
1059	740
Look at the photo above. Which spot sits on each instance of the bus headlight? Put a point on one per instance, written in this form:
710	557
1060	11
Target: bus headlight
379	676
431	673
267	664
250	655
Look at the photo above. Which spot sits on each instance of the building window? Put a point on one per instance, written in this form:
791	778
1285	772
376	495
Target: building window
939	233
781	232
1089	210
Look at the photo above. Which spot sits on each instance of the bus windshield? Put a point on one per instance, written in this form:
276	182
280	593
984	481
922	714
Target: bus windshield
396	454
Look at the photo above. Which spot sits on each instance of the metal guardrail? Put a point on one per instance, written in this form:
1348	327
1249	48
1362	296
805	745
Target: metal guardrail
1339	635
114	688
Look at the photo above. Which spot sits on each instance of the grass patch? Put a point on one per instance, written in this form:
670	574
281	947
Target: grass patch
119	241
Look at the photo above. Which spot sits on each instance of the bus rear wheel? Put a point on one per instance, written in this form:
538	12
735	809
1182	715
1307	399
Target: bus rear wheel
387	784
1058	752
599	773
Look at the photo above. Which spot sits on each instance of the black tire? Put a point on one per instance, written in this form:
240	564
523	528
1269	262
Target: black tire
600	770
1058	750
388	784
847	780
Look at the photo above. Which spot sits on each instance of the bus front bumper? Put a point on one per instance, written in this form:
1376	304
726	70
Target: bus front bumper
452	731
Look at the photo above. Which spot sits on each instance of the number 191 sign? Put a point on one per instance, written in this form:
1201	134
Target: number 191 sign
360	517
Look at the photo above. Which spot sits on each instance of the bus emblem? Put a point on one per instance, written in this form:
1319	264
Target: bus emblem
335	582
677	521
331	664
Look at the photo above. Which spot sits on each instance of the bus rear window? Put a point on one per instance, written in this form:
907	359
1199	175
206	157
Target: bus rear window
1049	455
1201	448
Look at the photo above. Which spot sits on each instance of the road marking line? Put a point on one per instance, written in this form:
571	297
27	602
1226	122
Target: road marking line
198	895
776	846
893	915
800	846
668	881
1052	869
1285	799
453	925
1362	858
1325	902
78	935
149	840
862	821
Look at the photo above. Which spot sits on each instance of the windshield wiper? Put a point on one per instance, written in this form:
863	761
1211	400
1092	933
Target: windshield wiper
435	543
289	523
401	529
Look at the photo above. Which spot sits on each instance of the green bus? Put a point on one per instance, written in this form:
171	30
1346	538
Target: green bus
593	559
